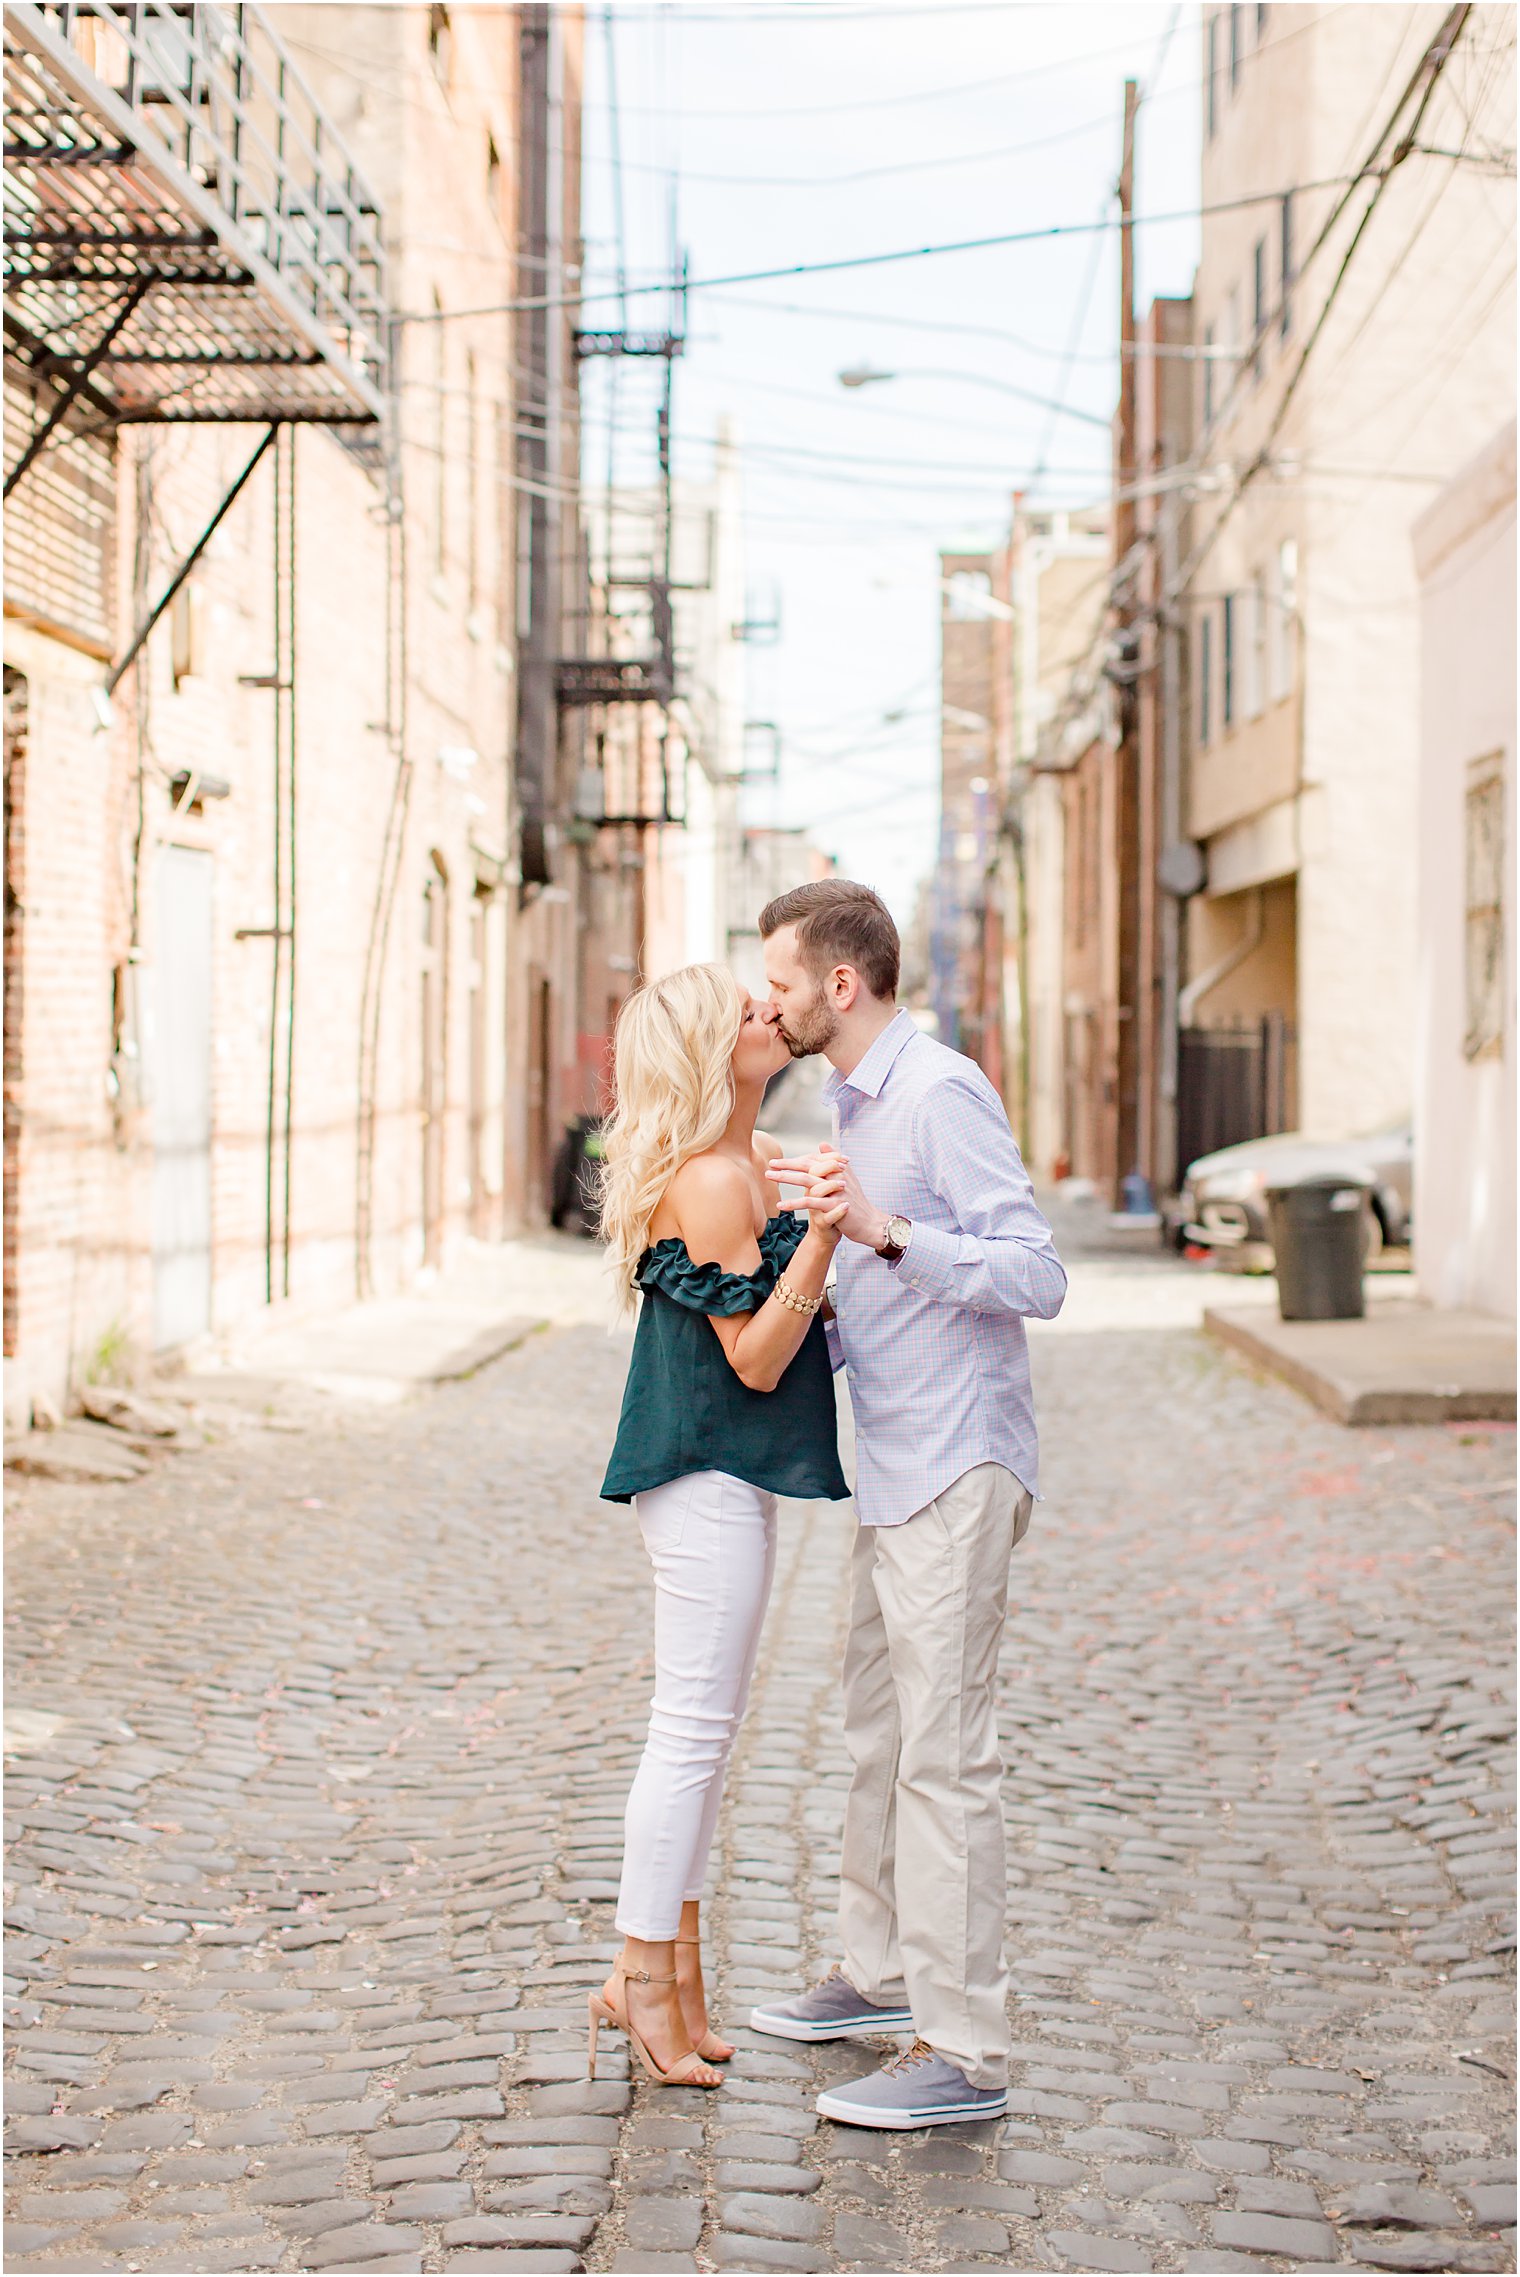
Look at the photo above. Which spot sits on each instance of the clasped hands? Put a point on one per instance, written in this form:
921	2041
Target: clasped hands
833	1195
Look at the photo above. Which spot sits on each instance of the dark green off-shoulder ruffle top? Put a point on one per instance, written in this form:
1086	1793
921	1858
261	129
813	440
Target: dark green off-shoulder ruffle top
685	1410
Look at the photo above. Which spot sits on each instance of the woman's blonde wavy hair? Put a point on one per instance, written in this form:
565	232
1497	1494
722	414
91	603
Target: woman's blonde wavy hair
673	1069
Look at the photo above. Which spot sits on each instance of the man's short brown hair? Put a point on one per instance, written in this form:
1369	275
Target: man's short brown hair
839	923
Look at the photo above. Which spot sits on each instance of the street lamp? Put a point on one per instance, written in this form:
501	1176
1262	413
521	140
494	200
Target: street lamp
865	375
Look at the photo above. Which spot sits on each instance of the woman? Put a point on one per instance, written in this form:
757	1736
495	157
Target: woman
729	1403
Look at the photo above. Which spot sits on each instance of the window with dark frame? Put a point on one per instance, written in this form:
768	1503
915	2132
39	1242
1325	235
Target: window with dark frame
1208	374
1285	261
1235	44
1483	1036
1227	661
440	438
1284	618
1211	79
1258	304
1205	677
440	42
472	476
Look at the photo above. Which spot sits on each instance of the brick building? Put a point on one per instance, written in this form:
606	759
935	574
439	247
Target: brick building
965	910
1238	746
304	960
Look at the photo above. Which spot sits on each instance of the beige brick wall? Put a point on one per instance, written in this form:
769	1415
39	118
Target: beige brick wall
427	131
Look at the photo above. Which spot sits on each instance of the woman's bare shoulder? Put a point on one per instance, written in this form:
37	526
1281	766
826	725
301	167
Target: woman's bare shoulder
708	1177
710	1202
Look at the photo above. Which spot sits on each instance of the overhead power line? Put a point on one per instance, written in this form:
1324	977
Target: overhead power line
1420	91
1080	61
1050	234
891	170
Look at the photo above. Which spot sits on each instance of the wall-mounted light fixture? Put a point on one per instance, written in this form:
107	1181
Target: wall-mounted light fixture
189	789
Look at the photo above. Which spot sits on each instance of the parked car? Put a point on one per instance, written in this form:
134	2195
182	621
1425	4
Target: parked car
1223	1203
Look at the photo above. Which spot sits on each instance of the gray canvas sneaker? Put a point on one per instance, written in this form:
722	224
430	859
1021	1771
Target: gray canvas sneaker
916	2089
833	2010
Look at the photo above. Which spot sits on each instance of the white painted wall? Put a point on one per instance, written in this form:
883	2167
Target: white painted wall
1464	1204
1413	368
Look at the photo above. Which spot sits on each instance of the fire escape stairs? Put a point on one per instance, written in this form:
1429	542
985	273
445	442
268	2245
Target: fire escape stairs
186	238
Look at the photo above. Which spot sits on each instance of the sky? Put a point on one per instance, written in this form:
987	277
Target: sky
764	135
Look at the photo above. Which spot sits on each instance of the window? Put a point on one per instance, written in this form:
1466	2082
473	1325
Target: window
186	632
440	42
1258	303
1211	79
967	592
1484	1037
1285	260
1205	676
1208	375
440	437
472	477
1230	340
522	584
1256	656
1235	46
1284	622
1227	661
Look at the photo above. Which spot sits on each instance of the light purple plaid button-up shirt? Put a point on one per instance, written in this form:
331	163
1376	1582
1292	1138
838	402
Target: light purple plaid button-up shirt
933	1347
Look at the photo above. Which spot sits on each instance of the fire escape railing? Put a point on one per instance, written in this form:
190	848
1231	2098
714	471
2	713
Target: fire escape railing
186	240
186	237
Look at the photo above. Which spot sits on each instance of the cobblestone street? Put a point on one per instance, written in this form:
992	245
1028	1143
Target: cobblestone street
319	1748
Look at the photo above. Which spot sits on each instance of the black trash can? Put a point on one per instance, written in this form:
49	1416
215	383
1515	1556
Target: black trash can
588	1178
575	1201
1318	1231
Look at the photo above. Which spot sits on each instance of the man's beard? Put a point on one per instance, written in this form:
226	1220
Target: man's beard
812	1030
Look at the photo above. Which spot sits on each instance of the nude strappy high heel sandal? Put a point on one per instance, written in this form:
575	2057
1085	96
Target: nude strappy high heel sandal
684	2072
710	2039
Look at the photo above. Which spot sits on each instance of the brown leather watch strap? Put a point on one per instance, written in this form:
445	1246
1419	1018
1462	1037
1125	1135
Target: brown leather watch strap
890	1250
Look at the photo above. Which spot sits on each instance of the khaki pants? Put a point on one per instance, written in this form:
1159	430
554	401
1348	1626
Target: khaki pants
923	1877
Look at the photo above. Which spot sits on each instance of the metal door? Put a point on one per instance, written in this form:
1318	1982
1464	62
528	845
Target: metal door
180	1062
1234	1083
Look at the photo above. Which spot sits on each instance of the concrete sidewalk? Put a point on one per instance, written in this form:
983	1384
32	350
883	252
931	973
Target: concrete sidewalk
444	1327
493	1296
1406	1362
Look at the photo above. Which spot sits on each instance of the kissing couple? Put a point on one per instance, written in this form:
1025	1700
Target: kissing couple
923	1211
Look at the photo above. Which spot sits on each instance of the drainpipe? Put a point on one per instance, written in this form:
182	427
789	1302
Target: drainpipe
1196	990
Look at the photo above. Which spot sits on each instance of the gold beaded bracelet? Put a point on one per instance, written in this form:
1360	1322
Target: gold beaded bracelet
793	1298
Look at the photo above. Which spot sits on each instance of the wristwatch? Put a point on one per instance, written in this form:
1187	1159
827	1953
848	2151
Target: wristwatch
896	1243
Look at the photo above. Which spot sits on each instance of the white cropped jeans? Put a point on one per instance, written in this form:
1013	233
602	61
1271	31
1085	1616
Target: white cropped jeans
712	1542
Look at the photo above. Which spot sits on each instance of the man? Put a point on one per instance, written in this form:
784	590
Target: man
945	1256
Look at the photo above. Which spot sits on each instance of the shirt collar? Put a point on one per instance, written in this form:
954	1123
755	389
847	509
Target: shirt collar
871	1072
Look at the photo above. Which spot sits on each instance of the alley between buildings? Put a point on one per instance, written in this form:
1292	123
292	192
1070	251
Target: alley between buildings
320	1745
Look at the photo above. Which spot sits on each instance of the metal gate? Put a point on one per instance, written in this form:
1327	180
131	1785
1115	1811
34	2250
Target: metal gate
180	1067
1233	1084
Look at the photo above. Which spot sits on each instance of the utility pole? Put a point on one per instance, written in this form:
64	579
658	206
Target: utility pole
1125	1060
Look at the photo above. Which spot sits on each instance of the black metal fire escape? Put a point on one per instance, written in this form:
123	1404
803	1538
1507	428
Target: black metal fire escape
186	241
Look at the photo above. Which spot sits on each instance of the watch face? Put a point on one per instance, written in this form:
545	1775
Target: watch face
898	1230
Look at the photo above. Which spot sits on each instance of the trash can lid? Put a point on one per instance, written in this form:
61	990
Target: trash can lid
1324	1182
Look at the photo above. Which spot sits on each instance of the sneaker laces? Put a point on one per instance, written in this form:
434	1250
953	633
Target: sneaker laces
919	2053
